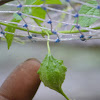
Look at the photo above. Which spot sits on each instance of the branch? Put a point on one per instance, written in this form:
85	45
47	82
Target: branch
44	33
23	29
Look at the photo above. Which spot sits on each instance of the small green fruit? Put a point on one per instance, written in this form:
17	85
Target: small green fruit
52	73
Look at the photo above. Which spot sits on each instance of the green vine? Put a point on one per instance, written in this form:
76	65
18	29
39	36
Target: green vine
48	46
43	32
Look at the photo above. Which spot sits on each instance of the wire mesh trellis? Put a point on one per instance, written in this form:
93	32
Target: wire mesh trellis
72	13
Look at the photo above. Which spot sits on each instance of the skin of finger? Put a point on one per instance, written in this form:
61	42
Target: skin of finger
23	82
3	98
4	1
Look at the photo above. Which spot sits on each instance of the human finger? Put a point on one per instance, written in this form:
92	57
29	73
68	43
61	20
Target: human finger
22	83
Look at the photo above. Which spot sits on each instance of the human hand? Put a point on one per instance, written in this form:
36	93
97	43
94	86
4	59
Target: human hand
4	1
22	83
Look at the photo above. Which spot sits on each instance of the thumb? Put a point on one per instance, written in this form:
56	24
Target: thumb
22	83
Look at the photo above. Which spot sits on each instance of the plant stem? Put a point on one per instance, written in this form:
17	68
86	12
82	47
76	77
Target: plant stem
77	31
23	29
73	31
49	52
43	33
61	91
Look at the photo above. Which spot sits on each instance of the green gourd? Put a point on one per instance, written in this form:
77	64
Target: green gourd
52	72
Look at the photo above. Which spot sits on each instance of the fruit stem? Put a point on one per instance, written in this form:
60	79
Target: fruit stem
48	46
61	91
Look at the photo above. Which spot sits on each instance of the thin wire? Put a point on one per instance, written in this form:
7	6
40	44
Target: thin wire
19	24
53	9
85	28
77	1
38	17
85	15
76	17
53	40
23	18
60	11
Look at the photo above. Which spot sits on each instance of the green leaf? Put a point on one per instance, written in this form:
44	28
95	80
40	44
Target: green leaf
52	73
87	21
9	37
39	12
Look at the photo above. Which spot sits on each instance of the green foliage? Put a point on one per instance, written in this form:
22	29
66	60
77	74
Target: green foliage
9	37
39	12
87	21
35	11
